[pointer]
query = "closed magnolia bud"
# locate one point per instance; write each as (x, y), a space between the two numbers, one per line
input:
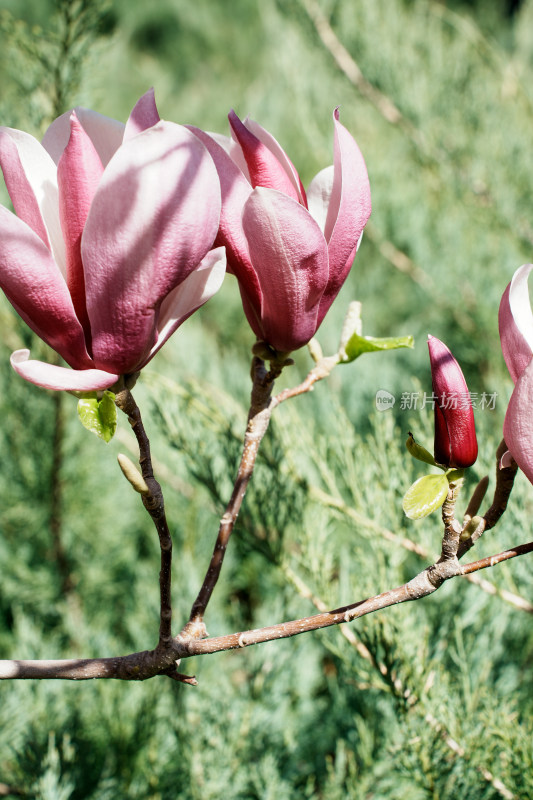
(455, 432)
(132, 474)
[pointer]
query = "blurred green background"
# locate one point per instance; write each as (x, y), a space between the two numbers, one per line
(428, 700)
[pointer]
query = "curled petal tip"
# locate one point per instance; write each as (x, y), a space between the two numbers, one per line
(18, 356)
(143, 116)
(506, 460)
(50, 376)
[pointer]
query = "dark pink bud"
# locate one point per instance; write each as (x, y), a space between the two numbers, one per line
(455, 431)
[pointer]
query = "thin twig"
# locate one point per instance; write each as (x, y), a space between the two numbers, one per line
(261, 406)
(399, 686)
(504, 485)
(147, 664)
(56, 498)
(478, 495)
(347, 64)
(154, 504)
(322, 370)
(423, 584)
(414, 547)
(452, 529)
(491, 561)
(389, 111)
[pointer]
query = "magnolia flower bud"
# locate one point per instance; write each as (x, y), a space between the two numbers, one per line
(132, 474)
(455, 432)
(290, 250)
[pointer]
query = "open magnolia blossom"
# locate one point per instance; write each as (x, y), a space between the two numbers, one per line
(516, 335)
(455, 431)
(291, 251)
(110, 250)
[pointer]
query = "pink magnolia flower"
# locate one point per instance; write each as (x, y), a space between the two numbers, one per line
(455, 431)
(516, 335)
(110, 250)
(290, 251)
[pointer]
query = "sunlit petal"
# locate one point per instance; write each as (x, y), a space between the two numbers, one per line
(264, 167)
(289, 253)
(283, 159)
(515, 348)
(50, 376)
(78, 173)
(105, 133)
(36, 288)
(235, 190)
(319, 195)
(348, 211)
(190, 295)
(30, 176)
(518, 425)
(143, 116)
(154, 217)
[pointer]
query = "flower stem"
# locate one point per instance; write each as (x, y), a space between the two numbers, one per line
(258, 421)
(154, 504)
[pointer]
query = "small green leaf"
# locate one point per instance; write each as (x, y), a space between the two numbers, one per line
(454, 475)
(419, 452)
(357, 345)
(425, 495)
(99, 416)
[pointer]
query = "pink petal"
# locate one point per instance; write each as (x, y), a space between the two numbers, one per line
(233, 149)
(78, 174)
(143, 116)
(518, 425)
(50, 376)
(263, 165)
(185, 299)
(153, 218)
(276, 149)
(319, 195)
(289, 254)
(30, 176)
(516, 323)
(348, 212)
(506, 460)
(105, 133)
(35, 287)
(235, 191)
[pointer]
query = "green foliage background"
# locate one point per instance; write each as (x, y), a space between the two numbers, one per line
(427, 700)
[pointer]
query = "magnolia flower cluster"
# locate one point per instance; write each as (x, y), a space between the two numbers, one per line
(111, 248)
(121, 232)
